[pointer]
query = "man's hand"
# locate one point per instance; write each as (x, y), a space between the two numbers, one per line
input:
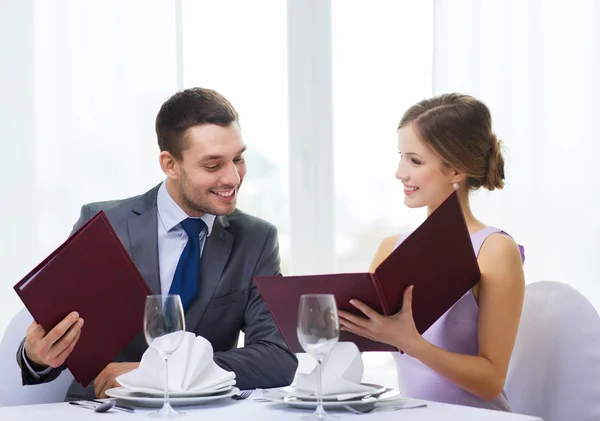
(107, 379)
(53, 348)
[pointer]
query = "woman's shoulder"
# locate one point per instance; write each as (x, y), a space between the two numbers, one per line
(498, 244)
(385, 248)
(390, 242)
(500, 253)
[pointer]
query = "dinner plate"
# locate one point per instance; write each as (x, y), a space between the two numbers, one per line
(306, 395)
(277, 397)
(205, 392)
(144, 399)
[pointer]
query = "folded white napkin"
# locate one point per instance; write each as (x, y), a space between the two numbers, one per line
(342, 373)
(191, 369)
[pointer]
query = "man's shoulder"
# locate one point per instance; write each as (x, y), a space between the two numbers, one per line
(118, 210)
(113, 206)
(242, 221)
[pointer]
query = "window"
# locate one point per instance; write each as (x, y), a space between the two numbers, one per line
(243, 55)
(378, 72)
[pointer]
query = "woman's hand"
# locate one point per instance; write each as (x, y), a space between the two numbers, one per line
(398, 330)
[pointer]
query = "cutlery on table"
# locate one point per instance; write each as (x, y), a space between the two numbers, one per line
(241, 396)
(368, 409)
(86, 398)
(103, 407)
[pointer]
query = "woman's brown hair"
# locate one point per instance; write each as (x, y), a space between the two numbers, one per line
(458, 128)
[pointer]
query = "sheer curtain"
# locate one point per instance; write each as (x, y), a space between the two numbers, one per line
(90, 79)
(536, 65)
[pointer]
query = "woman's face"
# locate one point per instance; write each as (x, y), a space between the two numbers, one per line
(426, 178)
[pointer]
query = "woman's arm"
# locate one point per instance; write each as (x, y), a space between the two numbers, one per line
(501, 293)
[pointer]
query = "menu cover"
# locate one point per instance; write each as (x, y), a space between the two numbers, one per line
(437, 258)
(91, 273)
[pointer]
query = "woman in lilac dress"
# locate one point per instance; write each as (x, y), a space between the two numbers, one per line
(446, 143)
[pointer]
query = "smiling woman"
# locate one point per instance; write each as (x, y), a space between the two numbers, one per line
(446, 144)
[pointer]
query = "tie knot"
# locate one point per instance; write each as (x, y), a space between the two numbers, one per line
(193, 226)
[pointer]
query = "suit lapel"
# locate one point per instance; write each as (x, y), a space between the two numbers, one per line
(214, 258)
(143, 234)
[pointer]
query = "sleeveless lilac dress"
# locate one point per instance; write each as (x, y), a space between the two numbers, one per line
(455, 331)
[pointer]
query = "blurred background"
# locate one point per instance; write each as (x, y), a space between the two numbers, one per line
(320, 86)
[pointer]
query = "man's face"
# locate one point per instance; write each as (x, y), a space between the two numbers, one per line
(211, 171)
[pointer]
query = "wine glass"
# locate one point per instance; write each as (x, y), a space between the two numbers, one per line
(318, 332)
(164, 329)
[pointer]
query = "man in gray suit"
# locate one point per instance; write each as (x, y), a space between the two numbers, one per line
(186, 237)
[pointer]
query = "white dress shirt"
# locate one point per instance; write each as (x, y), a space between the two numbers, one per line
(172, 239)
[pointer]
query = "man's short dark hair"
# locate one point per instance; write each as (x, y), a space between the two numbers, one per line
(188, 108)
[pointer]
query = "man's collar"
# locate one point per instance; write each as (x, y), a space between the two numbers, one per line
(171, 214)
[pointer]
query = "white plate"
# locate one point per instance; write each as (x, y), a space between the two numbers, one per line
(160, 394)
(309, 396)
(143, 399)
(388, 396)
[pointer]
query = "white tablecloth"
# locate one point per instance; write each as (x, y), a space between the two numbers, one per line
(250, 409)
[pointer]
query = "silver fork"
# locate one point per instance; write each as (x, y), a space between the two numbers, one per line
(241, 396)
(371, 408)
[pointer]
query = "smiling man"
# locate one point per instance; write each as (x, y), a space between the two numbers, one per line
(202, 155)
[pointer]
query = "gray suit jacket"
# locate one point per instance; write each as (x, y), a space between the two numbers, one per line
(239, 247)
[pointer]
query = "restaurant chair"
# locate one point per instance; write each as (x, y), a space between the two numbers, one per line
(12, 391)
(554, 372)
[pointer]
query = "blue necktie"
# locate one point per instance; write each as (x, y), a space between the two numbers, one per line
(187, 275)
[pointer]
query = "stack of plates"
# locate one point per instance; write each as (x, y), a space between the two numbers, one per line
(301, 399)
(152, 398)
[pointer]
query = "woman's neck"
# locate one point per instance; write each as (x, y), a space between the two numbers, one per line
(473, 224)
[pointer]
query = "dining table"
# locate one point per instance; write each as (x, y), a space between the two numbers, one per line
(255, 407)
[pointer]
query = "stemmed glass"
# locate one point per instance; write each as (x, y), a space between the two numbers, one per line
(164, 329)
(318, 332)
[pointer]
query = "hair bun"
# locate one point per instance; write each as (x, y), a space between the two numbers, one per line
(495, 168)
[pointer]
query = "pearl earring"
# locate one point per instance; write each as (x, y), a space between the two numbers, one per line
(455, 186)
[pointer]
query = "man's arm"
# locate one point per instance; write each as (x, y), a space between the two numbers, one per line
(32, 373)
(265, 360)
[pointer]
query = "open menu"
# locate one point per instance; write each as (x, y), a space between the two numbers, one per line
(437, 258)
